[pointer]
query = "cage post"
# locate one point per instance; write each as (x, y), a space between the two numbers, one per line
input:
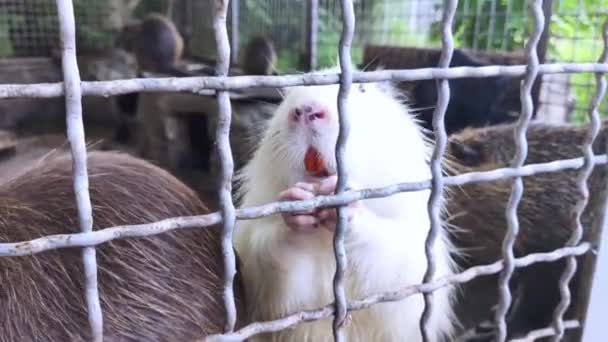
(517, 188)
(437, 181)
(234, 31)
(312, 28)
(76, 137)
(346, 79)
(226, 163)
(589, 289)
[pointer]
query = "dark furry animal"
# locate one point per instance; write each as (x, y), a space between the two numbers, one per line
(259, 57)
(157, 44)
(474, 102)
(160, 288)
(545, 211)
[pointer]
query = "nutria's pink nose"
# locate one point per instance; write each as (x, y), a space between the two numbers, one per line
(308, 113)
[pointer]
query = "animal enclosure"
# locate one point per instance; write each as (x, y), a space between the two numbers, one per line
(348, 41)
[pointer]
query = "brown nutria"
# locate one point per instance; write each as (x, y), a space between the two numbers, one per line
(157, 44)
(166, 287)
(544, 212)
(259, 57)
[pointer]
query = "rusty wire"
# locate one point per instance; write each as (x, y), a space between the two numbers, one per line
(517, 187)
(435, 199)
(197, 84)
(226, 163)
(75, 135)
(346, 80)
(584, 174)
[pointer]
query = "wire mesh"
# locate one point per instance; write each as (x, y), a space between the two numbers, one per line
(435, 199)
(582, 179)
(346, 80)
(575, 36)
(73, 90)
(517, 186)
(226, 163)
(76, 137)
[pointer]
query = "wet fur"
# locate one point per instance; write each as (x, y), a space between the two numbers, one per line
(162, 288)
(286, 272)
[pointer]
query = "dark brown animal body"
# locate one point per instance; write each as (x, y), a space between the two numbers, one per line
(495, 100)
(161, 288)
(544, 213)
(259, 57)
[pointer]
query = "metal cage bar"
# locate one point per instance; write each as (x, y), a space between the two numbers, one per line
(398, 295)
(346, 80)
(97, 237)
(517, 186)
(436, 196)
(226, 163)
(207, 84)
(585, 173)
(76, 137)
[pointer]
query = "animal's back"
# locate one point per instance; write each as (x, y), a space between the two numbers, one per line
(544, 212)
(162, 288)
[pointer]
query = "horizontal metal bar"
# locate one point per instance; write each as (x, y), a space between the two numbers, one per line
(103, 235)
(199, 84)
(546, 332)
(392, 296)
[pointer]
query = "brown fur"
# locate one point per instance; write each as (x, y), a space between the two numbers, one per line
(162, 288)
(259, 57)
(544, 212)
(548, 198)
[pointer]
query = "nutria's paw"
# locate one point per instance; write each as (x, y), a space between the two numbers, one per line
(300, 221)
(316, 218)
(328, 217)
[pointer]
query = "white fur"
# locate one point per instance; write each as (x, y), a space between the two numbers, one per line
(286, 272)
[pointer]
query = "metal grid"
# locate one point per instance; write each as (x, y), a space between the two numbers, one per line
(73, 90)
(29, 28)
(577, 29)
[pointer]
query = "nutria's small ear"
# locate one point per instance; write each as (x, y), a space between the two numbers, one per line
(465, 154)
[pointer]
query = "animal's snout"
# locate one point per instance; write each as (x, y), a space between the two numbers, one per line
(308, 113)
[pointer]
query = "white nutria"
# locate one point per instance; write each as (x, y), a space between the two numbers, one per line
(288, 261)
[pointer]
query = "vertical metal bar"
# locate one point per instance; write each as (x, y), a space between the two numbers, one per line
(346, 79)
(517, 188)
(477, 27)
(312, 29)
(435, 199)
(505, 32)
(491, 25)
(226, 162)
(235, 33)
(543, 45)
(577, 234)
(76, 138)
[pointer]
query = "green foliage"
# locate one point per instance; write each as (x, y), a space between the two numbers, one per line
(574, 28)
(6, 46)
